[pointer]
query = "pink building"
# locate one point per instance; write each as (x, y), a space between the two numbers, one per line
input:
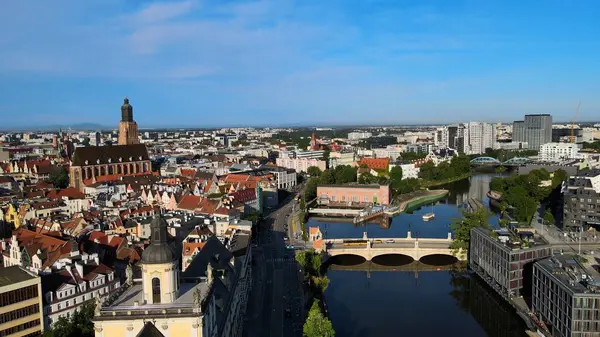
(355, 194)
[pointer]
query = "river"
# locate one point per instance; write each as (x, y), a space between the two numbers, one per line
(416, 303)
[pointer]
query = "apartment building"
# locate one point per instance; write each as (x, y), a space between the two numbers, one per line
(558, 151)
(21, 311)
(565, 297)
(582, 200)
(501, 257)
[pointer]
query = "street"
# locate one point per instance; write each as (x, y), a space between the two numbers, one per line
(276, 305)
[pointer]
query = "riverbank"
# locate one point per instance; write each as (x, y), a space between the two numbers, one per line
(418, 198)
(433, 183)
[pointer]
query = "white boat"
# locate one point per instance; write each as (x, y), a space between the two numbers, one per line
(429, 216)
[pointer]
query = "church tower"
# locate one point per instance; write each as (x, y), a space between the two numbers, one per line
(128, 130)
(160, 269)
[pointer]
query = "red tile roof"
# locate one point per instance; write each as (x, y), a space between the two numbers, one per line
(375, 163)
(190, 202)
(190, 247)
(244, 196)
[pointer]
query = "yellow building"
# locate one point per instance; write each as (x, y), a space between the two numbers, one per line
(21, 313)
(160, 303)
(12, 216)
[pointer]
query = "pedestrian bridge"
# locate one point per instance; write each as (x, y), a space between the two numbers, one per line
(416, 248)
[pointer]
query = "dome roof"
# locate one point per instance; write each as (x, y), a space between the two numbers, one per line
(157, 254)
(159, 250)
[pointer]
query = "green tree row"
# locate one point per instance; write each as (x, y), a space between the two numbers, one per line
(316, 325)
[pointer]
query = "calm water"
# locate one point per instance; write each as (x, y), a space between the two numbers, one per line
(437, 303)
(445, 210)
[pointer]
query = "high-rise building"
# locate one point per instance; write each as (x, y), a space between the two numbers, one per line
(478, 137)
(21, 311)
(535, 130)
(565, 297)
(519, 132)
(469, 138)
(128, 129)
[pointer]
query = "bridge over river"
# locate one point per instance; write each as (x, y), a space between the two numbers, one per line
(369, 248)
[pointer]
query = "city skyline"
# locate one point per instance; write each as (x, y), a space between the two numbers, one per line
(258, 63)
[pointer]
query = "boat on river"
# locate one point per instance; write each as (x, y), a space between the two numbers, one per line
(429, 216)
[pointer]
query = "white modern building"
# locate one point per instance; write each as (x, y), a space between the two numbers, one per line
(301, 164)
(359, 135)
(558, 151)
(470, 138)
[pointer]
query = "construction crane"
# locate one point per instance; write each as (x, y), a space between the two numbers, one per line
(573, 138)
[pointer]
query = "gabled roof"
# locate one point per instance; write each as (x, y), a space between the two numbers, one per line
(190, 202)
(109, 154)
(149, 330)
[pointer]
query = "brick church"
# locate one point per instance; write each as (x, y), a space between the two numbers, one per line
(93, 164)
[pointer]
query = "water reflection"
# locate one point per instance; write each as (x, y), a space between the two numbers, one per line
(446, 210)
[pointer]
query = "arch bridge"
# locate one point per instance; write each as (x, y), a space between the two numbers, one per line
(489, 161)
(416, 248)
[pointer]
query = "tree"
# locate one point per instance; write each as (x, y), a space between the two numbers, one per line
(310, 192)
(59, 177)
(462, 228)
(327, 178)
(317, 325)
(396, 174)
(320, 283)
(86, 141)
(548, 217)
(313, 171)
(344, 174)
(78, 325)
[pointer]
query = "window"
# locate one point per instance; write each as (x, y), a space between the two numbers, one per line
(155, 290)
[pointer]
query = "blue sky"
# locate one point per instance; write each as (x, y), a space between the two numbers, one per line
(210, 63)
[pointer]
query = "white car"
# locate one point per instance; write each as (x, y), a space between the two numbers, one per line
(389, 241)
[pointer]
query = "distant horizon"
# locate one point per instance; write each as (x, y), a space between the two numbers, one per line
(79, 126)
(259, 62)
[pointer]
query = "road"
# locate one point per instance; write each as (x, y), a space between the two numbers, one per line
(278, 281)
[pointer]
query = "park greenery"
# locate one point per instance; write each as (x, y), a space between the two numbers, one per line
(316, 325)
(522, 193)
(77, 325)
(462, 229)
